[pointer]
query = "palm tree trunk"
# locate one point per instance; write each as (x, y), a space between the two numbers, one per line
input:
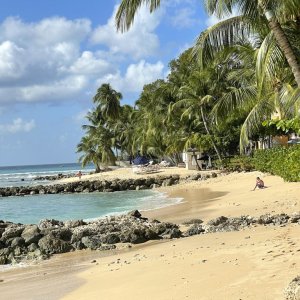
(210, 136)
(284, 44)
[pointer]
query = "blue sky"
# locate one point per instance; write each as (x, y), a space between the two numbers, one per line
(54, 54)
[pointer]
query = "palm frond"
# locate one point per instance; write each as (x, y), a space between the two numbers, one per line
(128, 10)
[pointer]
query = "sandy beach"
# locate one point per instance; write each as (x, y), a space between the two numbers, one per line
(256, 263)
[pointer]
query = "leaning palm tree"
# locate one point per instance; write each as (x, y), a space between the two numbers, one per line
(88, 147)
(253, 16)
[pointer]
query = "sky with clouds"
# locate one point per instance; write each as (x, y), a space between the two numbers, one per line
(55, 54)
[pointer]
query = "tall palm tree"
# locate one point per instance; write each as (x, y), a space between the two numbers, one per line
(108, 101)
(249, 20)
(250, 11)
(197, 96)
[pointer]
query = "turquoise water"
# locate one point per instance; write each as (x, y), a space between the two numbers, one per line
(31, 209)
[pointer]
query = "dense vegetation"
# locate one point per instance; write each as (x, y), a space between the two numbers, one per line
(238, 83)
(281, 161)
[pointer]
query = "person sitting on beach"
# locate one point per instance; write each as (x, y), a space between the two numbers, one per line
(259, 183)
(79, 174)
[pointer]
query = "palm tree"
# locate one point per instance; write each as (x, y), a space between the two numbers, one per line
(197, 95)
(249, 21)
(128, 9)
(109, 101)
(88, 147)
(250, 13)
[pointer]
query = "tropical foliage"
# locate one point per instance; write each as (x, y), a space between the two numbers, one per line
(238, 83)
(280, 161)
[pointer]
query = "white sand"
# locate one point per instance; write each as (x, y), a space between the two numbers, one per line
(256, 263)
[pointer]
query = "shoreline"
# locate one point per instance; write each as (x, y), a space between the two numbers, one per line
(259, 257)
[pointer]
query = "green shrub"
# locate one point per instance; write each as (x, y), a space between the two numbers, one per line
(239, 163)
(281, 161)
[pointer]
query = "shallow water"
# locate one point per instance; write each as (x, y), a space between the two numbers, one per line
(31, 209)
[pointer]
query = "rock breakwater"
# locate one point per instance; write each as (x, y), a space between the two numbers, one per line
(24, 242)
(88, 186)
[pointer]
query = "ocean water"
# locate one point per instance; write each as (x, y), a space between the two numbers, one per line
(24, 175)
(31, 209)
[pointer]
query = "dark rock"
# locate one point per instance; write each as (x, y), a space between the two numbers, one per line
(292, 292)
(195, 229)
(193, 221)
(294, 218)
(280, 219)
(110, 238)
(91, 242)
(73, 224)
(18, 241)
(135, 213)
(31, 234)
(12, 232)
(134, 236)
(172, 233)
(47, 223)
(195, 177)
(107, 247)
(3, 260)
(64, 234)
(78, 245)
(217, 221)
(265, 219)
(50, 245)
(32, 247)
(151, 234)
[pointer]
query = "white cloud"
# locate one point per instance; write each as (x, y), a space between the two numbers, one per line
(88, 63)
(42, 61)
(136, 76)
(17, 125)
(138, 42)
(48, 60)
(11, 61)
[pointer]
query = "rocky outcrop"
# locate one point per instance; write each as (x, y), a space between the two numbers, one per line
(54, 177)
(86, 186)
(19, 242)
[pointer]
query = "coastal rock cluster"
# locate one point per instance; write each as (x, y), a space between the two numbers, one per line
(20, 242)
(54, 177)
(100, 186)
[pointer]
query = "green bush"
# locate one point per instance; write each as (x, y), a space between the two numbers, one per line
(239, 163)
(281, 161)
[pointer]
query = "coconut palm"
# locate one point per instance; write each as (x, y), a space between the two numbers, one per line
(253, 16)
(198, 95)
(128, 9)
(88, 147)
(250, 16)
(108, 101)
(255, 93)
